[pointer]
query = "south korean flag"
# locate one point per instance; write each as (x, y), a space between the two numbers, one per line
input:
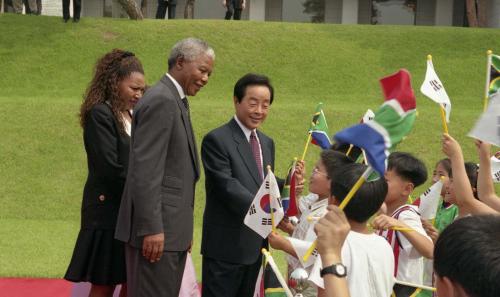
(266, 207)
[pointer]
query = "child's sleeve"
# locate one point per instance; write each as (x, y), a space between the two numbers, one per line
(412, 220)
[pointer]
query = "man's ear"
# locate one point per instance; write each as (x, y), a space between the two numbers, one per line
(179, 63)
(235, 100)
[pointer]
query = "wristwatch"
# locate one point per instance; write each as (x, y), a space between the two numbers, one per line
(337, 269)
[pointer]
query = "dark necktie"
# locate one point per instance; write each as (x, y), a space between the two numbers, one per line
(186, 103)
(256, 152)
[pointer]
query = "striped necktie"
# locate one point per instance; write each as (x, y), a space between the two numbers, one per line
(254, 143)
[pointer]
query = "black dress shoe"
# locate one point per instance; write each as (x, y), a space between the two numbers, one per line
(65, 20)
(76, 20)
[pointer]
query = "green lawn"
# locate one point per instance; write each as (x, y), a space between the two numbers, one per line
(46, 64)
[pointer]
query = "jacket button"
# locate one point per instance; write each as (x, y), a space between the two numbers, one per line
(102, 197)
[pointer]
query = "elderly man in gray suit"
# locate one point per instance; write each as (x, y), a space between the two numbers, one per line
(156, 212)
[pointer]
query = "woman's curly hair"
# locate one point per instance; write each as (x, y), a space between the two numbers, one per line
(110, 70)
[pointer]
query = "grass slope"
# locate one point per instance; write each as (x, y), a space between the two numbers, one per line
(46, 64)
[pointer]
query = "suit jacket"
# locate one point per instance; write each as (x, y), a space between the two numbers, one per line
(163, 170)
(107, 159)
(231, 182)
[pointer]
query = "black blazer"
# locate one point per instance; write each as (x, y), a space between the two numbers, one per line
(107, 159)
(231, 182)
(163, 170)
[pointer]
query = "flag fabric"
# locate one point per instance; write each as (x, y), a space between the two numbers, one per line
(494, 77)
(272, 286)
(429, 201)
(433, 88)
(487, 128)
(392, 122)
(259, 284)
(495, 169)
(266, 201)
(368, 116)
(319, 129)
(288, 193)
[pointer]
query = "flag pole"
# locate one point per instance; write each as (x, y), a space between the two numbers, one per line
(342, 205)
(273, 228)
(415, 285)
(443, 118)
(277, 272)
(349, 150)
(487, 88)
(305, 148)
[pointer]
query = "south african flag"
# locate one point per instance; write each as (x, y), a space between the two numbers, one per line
(494, 84)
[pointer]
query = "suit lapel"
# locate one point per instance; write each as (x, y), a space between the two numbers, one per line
(186, 121)
(266, 152)
(245, 151)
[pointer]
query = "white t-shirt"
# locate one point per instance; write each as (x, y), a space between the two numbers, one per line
(410, 262)
(370, 266)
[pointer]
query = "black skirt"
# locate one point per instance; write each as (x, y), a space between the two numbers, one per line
(98, 258)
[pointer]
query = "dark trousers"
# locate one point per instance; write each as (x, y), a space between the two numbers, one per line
(162, 278)
(162, 9)
(233, 8)
(77, 7)
(226, 279)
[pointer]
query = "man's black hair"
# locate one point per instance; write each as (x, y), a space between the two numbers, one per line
(252, 79)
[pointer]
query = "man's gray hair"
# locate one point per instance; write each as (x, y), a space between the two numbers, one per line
(189, 49)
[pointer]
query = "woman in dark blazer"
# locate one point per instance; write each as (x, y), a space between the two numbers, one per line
(105, 116)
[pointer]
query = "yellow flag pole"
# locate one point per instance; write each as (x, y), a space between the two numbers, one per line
(487, 88)
(277, 272)
(307, 145)
(443, 118)
(342, 205)
(349, 150)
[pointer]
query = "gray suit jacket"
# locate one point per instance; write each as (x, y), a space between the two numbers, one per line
(163, 169)
(231, 182)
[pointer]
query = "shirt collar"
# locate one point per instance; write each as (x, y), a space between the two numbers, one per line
(177, 86)
(245, 130)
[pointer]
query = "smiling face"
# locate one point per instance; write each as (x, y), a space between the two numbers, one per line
(449, 195)
(254, 106)
(193, 75)
(131, 89)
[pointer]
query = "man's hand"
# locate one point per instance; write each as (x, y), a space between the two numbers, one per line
(243, 4)
(384, 222)
(332, 230)
(224, 3)
(451, 148)
(152, 247)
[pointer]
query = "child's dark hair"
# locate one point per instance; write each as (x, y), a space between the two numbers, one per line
(468, 254)
(354, 152)
(367, 200)
(408, 167)
(333, 160)
(471, 169)
(446, 163)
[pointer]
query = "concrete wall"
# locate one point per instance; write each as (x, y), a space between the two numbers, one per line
(274, 10)
(364, 12)
(426, 12)
(349, 11)
(494, 14)
(333, 11)
(444, 13)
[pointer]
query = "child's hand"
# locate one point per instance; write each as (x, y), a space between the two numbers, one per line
(430, 230)
(384, 222)
(483, 149)
(451, 147)
(286, 226)
(276, 240)
(299, 177)
(332, 230)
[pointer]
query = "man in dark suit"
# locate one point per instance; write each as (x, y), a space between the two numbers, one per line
(161, 10)
(235, 156)
(156, 213)
(233, 8)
